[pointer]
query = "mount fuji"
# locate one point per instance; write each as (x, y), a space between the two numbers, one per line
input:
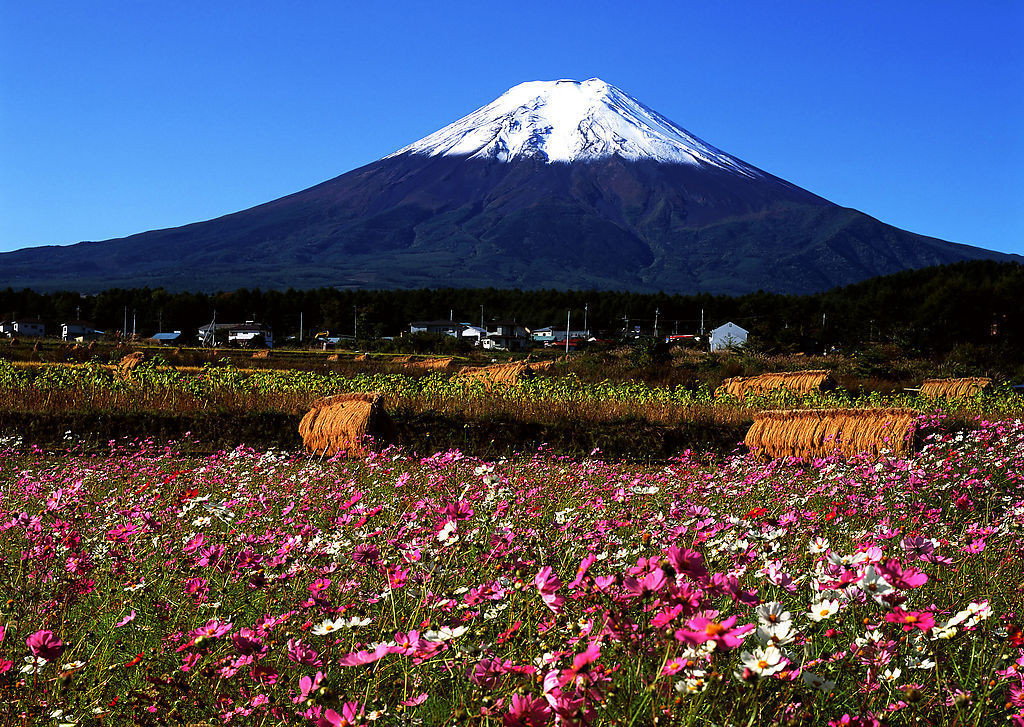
(555, 184)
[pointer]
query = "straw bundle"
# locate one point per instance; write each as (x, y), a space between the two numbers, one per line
(263, 353)
(361, 357)
(334, 357)
(35, 348)
(14, 341)
(341, 423)
(433, 364)
(401, 359)
(809, 433)
(955, 388)
(129, 362)
(506, 374)
(796, 382)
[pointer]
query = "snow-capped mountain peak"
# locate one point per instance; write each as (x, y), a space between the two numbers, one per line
(571, 121)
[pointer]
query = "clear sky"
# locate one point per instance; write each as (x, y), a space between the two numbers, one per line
(120, 117)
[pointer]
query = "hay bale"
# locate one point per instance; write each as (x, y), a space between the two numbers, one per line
(507, 374)
(334, 357)
(811, 433)
(432, 364)
(402, 359)
(341, 423)
(361, 357)
(264, 353)
(955, 388)
(127, 364)
(796, 382)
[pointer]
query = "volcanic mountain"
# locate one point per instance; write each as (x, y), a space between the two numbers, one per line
(560, 184)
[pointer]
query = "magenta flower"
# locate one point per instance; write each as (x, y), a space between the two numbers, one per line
(526, 711)
(248, 642)
(44, 644)
(910, 620)
(299, 652)
(701, 629)
(548, 583)
(350, 712)
(365, 657)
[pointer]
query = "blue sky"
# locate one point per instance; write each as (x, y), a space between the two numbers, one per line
(120, 117)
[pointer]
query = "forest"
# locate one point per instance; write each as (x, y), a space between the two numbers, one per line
(972, 308)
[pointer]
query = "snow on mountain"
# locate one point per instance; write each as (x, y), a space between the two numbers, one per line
(571, 121)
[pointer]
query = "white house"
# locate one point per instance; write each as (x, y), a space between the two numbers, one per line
(6, 328)
(728, 335)
(549, 334)
(244, 334)
(80, 331)
(447, 328)
(474, 333)
(28, 327)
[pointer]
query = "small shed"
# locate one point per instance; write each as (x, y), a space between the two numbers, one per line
(728, 335)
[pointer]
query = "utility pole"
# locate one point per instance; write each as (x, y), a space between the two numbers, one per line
(124, 330)
(586, 309)
(568, 314)
(657, 312)
(300, 328)
(481, 315)
(133, 323)
(355, 323)
(160, 320)
(702, 322)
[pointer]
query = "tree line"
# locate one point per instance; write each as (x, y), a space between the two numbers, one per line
(928, 311)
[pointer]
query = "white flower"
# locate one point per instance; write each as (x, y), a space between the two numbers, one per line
(890, 675)
(822, 610)
(355, 622)
(694, 683)
(445, 633)
(773, 612)
(816, 682)
(33, 664)
(873, 584)
(327, 626)
(446, 532)
(763, 662)
(817, 545)
(778, 634)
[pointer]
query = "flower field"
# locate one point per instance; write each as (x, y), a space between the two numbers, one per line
(146, 587)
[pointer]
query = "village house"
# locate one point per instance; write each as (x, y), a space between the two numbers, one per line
(552, 334)
(506, 336)
(23, 327)
(728, 335)
(79, 331)
(446, 328)
(250, 333)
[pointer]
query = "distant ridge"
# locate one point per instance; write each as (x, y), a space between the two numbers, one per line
(556, 184)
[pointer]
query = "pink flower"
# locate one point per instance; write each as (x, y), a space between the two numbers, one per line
(548, 583)
(365, 657)
(127, 619)
(212, 630)
(302, 654)
(911, 619)
(308, 685)
(701, 629)
(248, 642)
(350, 712)
(526, 711)
(44, 644)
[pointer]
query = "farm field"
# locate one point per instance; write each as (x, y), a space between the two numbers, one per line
(148, 587)
(435, 409)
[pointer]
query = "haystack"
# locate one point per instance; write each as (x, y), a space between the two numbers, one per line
(810, 433)
(334, 357)
(130, 362)
(796, 382)
(341, 423)
(507, 374)
(361, 357)
(955, 388)
(431, 364)
(262, 353)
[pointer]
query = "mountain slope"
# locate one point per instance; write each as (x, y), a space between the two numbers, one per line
(559, 184)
